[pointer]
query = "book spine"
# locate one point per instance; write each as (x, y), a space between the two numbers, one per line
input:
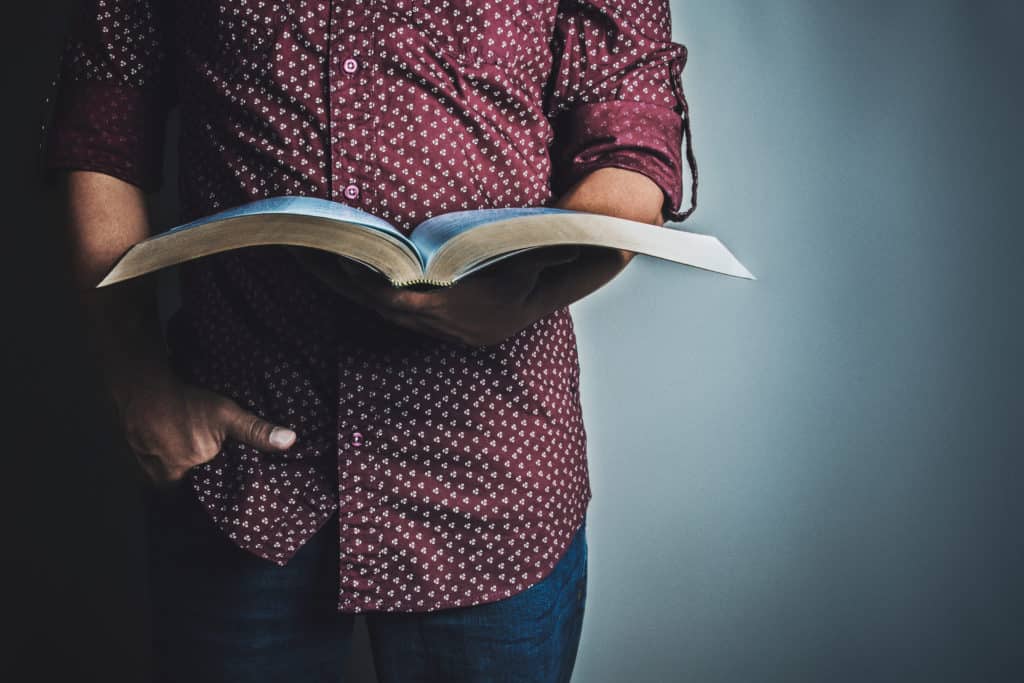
(421, 281)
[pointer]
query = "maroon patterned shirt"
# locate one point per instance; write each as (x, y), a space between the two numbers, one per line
(458, 475)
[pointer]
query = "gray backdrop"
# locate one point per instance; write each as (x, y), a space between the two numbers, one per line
(806, 477)
(810, 477)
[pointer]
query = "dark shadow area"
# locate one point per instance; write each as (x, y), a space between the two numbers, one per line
(72, 494)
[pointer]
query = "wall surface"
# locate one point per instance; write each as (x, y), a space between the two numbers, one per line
(810, 477)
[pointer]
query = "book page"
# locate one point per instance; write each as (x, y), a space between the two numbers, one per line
(314, 224)
(430, 235)
(487, 242)
(304, 206)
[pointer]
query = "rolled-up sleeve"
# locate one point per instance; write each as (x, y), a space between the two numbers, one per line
(615, 96)
(113, 91)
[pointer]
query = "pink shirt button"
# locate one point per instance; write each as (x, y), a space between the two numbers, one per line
(351, 192)
(357, 439)
(350, 65)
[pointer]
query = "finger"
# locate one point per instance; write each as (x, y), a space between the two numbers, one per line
(559, 254)
(326, 268)
(346, 277)
(550, 256)
(521, 272)
(363, 274)
(423, 326)
(254, 431)
(517, 280)
(369, 284)
(387, 298)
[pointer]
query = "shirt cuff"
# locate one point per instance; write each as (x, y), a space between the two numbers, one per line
(635, 136)
(109, 128)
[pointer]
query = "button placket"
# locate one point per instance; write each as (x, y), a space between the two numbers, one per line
(351, 110)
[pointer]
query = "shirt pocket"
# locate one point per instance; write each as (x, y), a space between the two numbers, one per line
(481, 32)
(232, 36)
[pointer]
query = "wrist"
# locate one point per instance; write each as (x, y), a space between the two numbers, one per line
(131, 371)
(125, 339)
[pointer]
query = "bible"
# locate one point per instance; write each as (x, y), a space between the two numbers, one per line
(438, 252)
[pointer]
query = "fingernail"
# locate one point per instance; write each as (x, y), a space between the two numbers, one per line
(281, 437)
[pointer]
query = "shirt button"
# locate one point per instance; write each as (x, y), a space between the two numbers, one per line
(351, 192)
(357, 439)
(350, 65)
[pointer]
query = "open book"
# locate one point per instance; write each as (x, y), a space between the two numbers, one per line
(440, 250)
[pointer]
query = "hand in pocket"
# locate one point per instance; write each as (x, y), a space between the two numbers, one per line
(172, 426)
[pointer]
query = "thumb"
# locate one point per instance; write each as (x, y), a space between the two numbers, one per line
(254, 431)
(562, 253)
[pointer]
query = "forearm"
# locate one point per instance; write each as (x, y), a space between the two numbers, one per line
(104, 217)
(611, 192)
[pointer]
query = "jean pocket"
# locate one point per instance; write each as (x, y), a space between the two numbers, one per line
(572, 568)
(581, 591)
(580, 575)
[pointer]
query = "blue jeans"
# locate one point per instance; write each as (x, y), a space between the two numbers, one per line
(221, 614)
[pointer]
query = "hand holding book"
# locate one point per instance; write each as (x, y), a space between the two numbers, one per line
(484, 308)
(488, 273)
(491, 304)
